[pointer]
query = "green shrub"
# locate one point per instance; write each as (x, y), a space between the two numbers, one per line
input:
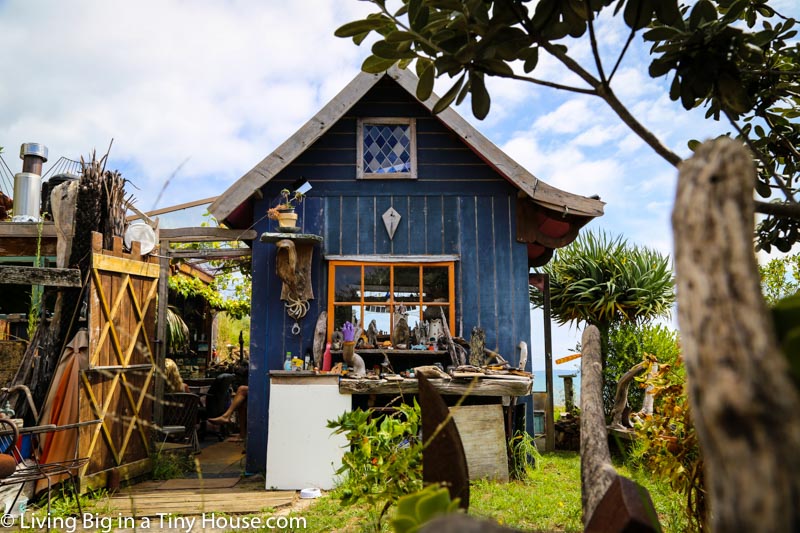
(385, 457)
(667, 445)
(627, 345)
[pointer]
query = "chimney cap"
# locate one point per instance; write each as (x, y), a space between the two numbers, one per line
(35, 149)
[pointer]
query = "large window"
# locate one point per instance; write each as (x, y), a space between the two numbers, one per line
(384, 291)
(387, 148)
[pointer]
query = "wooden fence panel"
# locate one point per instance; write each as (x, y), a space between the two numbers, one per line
(117, 387)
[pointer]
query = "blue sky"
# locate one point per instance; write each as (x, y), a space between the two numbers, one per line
(219, 85)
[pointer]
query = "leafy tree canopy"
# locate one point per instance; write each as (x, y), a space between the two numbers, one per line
(737, 58)
(230, 290)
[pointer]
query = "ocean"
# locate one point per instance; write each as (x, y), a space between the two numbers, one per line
(540, 384)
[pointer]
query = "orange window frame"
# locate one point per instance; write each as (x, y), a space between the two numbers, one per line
(450, 303)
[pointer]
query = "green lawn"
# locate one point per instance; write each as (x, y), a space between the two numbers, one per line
(549, 501)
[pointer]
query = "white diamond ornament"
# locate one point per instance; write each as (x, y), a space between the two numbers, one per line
(391, 219)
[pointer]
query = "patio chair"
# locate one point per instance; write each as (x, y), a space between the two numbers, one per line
(31, 469)
(217, 400)
(181, 418)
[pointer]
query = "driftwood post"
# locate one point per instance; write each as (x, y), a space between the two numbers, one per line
(597, 473)
(744, 404)
(610, 502)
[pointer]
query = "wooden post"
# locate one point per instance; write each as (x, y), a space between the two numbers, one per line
(549, 422)
(569, 394)
(161, 331)
(745, 406)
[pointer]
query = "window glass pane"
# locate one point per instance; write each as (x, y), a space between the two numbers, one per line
(435, 283)
(406, 284)
(345, 313)
(433, 311)
(348, 284)
(376, 284)
(387, 148)
(381, 315)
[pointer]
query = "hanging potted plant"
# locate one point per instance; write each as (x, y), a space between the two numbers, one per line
(284, 212)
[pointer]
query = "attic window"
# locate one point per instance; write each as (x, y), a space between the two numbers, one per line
(387, 148)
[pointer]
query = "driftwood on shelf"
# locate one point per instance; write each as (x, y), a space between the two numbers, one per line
(478, 387)
(52, 277)
(745, 406)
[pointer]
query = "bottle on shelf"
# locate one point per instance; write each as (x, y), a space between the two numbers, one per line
(287, 364)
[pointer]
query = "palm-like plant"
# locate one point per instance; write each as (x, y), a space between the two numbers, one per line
(604, 281)
(177, 331)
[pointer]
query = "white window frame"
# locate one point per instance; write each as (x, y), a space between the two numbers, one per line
(412, 130)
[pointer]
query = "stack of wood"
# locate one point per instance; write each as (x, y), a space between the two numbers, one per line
(99, 206)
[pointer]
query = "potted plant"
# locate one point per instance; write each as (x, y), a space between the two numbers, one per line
(284, 212)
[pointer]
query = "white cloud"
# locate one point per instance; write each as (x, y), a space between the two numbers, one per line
(221, 84)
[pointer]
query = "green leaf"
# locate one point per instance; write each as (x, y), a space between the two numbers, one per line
(693, 144)
(391, 50)
(357, 27)
(659, 67)
(638, 13)
(667, 12)
(376, 65)
(703, 11)
(661, 33)
(399, 36)
(531, 58)
(445, 101)
(480, 96)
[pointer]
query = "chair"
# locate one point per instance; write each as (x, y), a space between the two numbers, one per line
(217, 400)
(31, 470)
(181, 418)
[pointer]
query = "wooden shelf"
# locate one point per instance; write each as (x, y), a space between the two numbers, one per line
(458, 387)
(300, 238)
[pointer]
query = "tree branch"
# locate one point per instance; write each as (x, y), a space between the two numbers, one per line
(595, 50)
(536, 81)
(778, 209)
(622, 54)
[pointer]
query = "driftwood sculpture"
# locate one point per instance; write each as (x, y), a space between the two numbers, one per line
(610, 502)
(620, 414)
(293, 267)
(745, 406)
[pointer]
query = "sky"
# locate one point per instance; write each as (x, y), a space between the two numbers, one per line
(201, 91)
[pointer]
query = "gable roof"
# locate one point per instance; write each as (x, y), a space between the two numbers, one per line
(556, 200)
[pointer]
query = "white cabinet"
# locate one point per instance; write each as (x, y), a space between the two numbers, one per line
(301, 450)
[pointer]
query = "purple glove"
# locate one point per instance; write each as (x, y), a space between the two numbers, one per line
(348, 331)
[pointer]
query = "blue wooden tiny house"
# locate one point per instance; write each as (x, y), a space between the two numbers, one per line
(465, 225)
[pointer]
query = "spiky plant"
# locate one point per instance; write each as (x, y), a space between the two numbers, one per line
(602, 280)
(177, 331)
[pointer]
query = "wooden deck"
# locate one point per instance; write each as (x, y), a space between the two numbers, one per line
(218, 488)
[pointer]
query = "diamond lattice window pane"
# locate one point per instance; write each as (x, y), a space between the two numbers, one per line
(387, 148)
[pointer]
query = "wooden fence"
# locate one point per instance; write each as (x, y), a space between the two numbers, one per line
(118, 385)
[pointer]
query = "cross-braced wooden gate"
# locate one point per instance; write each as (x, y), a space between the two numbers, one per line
(117, 388)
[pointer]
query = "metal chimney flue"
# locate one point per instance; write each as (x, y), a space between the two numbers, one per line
(28, 183)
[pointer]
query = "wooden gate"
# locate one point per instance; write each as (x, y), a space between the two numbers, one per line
(117, 387)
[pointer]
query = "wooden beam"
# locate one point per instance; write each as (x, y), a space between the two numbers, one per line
(206, 234)
(51, 277)
(395, 258)
(229, 253)
(481, 387)
(170, 209)
(26, 229)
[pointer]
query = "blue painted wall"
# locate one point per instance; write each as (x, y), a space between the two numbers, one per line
(458, 205)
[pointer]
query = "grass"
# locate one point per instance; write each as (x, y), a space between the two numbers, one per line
(549, 500)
